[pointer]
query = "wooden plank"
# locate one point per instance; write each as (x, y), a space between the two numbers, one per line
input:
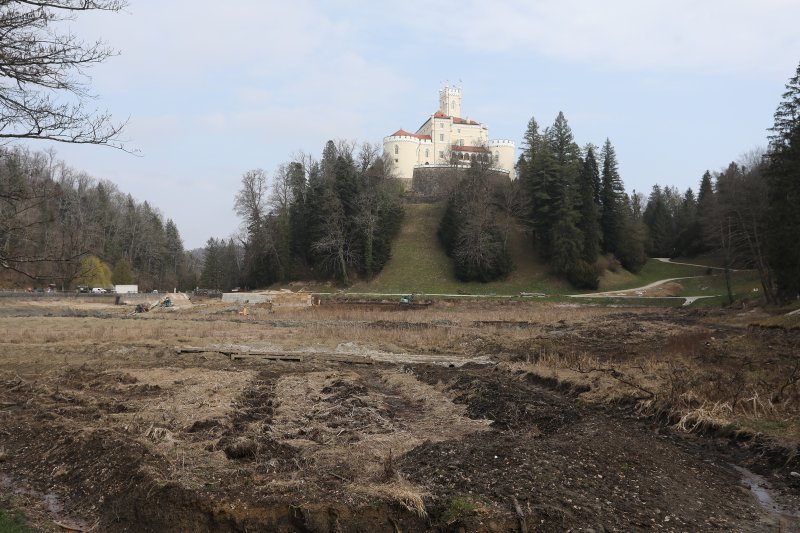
(280, 356)
(343, 358)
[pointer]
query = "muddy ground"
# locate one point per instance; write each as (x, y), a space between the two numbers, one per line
(458, 417)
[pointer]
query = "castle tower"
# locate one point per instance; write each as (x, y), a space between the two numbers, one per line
(450, 101)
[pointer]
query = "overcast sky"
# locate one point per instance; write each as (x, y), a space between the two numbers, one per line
(214, 89)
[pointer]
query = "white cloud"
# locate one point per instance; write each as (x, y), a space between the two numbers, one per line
(732, 36)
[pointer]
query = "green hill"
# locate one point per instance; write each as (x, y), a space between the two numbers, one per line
(419, 264)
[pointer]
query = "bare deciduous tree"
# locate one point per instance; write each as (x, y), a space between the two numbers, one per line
(251, 200)
(43, 85)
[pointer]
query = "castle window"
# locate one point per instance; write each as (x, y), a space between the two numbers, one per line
(396, 149)
(441, 137)
(441, 154)
(426, 152)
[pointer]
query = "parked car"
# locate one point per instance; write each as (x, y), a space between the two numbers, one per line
(98, 290)
(83, 288)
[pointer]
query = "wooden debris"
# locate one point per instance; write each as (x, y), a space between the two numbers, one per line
(299, 357)
(67, 527)
(523, 526)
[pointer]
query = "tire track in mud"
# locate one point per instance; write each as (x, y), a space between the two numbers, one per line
(571, 467)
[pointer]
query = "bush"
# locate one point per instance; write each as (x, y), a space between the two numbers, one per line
(584, 275)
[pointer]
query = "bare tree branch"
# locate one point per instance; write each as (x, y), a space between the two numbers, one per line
(43, 82)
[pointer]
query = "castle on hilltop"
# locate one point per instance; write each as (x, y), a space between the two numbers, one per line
(446, 140)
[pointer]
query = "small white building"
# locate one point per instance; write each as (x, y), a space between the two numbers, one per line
(445, 139)
(126, 289)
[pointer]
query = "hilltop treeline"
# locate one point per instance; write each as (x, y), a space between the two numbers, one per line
(329, 218)
(59, 225)
(576, 206)
(571, 199)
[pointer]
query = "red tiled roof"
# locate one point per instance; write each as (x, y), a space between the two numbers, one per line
(456, 120)
(403, 133)
(458, 148)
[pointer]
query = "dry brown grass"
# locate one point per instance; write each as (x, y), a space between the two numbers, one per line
(401, 492)
(681, 383)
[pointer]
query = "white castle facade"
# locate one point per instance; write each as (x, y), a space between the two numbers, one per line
(444, 140)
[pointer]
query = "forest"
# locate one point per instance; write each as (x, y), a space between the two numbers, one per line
(321, 219)
(61, 226)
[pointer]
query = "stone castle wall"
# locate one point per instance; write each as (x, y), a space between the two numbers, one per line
(436, 183)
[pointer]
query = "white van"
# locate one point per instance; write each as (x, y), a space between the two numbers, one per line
(98, 290)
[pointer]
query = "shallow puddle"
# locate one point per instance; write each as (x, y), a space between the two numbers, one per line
(50, 501)
(787, 522)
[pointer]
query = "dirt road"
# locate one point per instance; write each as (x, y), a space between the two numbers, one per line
(103, 424)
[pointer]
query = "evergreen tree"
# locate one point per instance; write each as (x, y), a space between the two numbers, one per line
(588, 208)
(631, 252)
(687, 242)
(611, 210)
(623, 234)
(542, 177)
(298, 236)
(658, 220)
(211, 275)
(706, 207)
(783, 191)
(532, 140)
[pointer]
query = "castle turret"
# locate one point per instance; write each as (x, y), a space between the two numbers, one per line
(450, 101)
(404, 151)
(503, 155)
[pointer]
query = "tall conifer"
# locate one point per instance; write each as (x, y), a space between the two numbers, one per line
(589, 213)
(783, 182)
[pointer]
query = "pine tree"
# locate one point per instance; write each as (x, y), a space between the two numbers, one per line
(631, 252)
(783, 192)
(611, 193)
(542, 176)
(688, 230)
(588, 208)
(532, 140)
(706, 207)
(297, 215)
(623, 234)
(658, 220)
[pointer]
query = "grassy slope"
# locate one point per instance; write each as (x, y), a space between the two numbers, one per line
(652, 271)
(419, 265)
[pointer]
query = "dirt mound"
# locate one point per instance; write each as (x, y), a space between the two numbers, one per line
(511, 405)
